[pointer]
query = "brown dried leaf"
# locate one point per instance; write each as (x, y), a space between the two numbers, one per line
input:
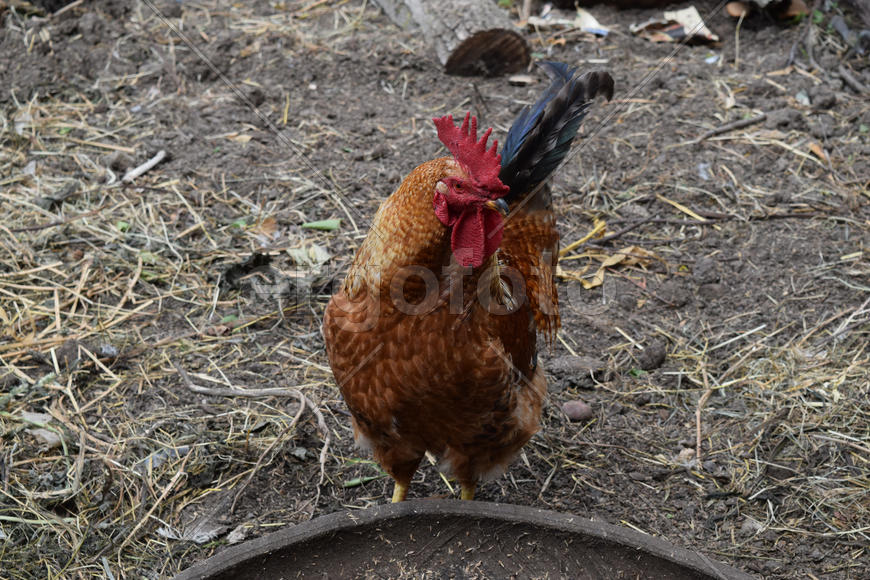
(817, 150)
(267, 227)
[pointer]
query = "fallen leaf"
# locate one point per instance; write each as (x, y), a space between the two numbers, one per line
(588, 23)
(817, 150)
(217, 330)
(685, 455)
(576, 275)
(253, 48)
(598, 229)
(39, 418)
(50, 438)
(238, 534)
(326, 225)
(629, 256)
(267, 227)
(676, 26)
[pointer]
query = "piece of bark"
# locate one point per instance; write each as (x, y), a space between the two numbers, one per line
(470, 37)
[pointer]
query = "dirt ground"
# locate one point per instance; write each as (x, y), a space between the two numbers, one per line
(132, 313)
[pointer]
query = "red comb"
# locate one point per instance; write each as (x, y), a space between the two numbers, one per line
(482, 164)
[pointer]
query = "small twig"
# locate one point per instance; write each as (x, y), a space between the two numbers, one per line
(321, 425)
(737, 39)
(106, 569)
(738, 337)
(548, 481)
(227, 392)
(852, 444)
(701, 403)
(846, 325)
(850, 80)
(622, 232)
(69, 6)
(327, 439)
(740, 124)
(668, 221)
(144, 168)
(809, 44)
(525, 10)
(808, 23)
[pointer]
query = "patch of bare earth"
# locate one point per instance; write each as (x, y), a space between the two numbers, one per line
(157, 404)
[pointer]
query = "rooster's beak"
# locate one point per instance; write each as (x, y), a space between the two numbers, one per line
(499, 205)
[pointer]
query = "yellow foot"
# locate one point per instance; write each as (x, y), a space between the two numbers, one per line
(399, 492)
(467, 491)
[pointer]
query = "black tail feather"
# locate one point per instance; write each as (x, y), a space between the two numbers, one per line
(541, 136)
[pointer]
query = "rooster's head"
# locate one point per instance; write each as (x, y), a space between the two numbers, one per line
(471, 203)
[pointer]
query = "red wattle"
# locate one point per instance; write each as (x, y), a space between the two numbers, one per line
(476, 236)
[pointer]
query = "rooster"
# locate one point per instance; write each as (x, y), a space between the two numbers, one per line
(432, 337)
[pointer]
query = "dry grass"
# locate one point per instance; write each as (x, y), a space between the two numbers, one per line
(141, 399)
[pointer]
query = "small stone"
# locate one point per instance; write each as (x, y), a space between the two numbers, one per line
(686, 454)
(786, 118)
(639, 476)
(822, 98)
(379, 152)
(782, 196)
(750, 527)
(108, 351)
(577, 410)
(653, 356)
(118, 161)
(802, 98)
(674, 293)
(50, 438)
(171, 9)
(257, 96)
(712, 291)
(705, 271)
(577, 371)
(238, 534)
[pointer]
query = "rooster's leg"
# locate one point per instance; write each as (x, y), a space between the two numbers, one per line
(399, 492)
(401, 470)
(467, 491)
